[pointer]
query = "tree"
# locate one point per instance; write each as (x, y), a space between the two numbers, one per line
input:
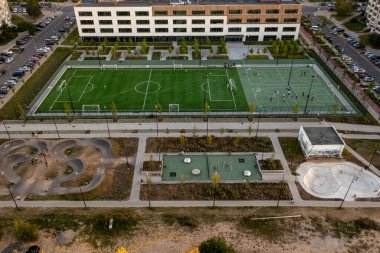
(149, 183)
(124, 42)
(211, 50)
(183, 48)
(215, 245)
(250, 130)
(144, 47)
(121, 250)
(343, 9)
(206, 110)
(33, 8)
(215, 181)
(170, 50)
(25, 231)
(208, 41)
(251, 51)
(182, 140)
(221, 131)
(296, 108)
(114, 52)
(209, 139)
(130, 42)
(106, 43)
(334, 108)
(251, 110)
(236, 140)
(113, 110)
(118, 40)
(68, 110)
(21, 111)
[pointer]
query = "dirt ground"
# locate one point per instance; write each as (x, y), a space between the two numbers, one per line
(308, 233)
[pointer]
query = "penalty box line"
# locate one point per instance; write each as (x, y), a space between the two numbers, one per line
(209, 90)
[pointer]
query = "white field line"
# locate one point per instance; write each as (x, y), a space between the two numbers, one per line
(232, 94)
(147, 89)
(83, 91)
(67, 83)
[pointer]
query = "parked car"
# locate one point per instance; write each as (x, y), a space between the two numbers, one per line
(33, 249)
(9, 60)
(2, 72)
(368, 79)
(18, 73)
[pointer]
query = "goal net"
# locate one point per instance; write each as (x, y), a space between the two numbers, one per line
(177, 66)
(173, 107)
(62, 86)
(90, 108)
(105, 66)
(231, 85)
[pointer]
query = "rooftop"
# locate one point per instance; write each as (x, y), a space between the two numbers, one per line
(182, 2)
(323, 136)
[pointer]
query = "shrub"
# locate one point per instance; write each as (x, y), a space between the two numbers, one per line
(215, 245)
(25, 231)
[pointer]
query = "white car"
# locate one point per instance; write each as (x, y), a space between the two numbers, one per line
(368, 79)
(25, 68)
(359, 71)
(9, 60)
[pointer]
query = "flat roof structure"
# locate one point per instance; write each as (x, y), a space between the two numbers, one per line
(323, 136)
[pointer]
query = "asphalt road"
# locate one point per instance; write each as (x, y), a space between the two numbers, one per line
(36, 42)
(349, 50)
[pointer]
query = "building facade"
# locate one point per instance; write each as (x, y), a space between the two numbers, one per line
(5, 14)
(373, 15)
(320, 141)
(250, 20)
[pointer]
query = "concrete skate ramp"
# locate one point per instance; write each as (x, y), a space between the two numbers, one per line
(321, 181)
(333, 180)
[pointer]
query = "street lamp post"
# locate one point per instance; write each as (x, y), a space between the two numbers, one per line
(376, 151)
(56, 127)
(9, 189)
(291, 68)
(6, 130)
(108, 128)
(81, 192)
(355, 177)
(308, 95)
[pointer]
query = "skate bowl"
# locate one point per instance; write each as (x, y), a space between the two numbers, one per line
(333, 180)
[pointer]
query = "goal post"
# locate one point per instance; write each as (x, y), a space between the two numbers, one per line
(177, 66)
(109, 66)
(90, 108)
(173, 107)
(231, 84)
(62, 86)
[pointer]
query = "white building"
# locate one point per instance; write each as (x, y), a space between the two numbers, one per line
(373, 15)
(234, 20)
(320, 141)
(5, 14)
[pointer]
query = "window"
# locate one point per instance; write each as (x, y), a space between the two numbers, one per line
(143, 30)
(271, 29)
(235, 12)
(85, 13)
(161, 13)
(123, 13)
(269, 37)
(216, 30)
(271, 20)
(104, 13)
(217, 12)
(179, 13)
(179, 30)
(162, 30)
(273, 11)
(105, 22)
(124, 22)
(142, 13)
(142, 22)
(291, 10)
(87, 22)
(234, 21)
(234, 29)
(106, 30)
(256, 11)
(290, 20)
(125, 30)
(288, 37)
(198, 21)
(289, 29)
(198, 30)
(160, 22)
(253, 20)
(179, 21)
(253, 29)
(216, 21)
(198, 13)
(88, 30)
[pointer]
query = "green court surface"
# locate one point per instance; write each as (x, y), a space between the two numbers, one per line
(133, 90)
(229, 167)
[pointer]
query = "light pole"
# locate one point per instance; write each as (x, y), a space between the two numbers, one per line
(308, 95)
(375, 151)
(355, 177)
(55, 123)
(6, 130)
(80, 188)
(105, 116)
(9, 189)
(291, 68)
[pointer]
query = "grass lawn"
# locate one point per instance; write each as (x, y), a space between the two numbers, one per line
(71, 38)
(366, 148)
(324, 20)
(371, 40)
(339, 18)
(356, 24)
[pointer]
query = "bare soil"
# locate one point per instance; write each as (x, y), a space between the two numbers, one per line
(152, 165)
(25, 149)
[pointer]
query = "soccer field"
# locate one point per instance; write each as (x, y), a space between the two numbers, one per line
(182, 90)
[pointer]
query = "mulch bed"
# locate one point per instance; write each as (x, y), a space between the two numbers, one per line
(192, 191)
(152, 165)
(267, 165)
(202, 144)
(124, 146)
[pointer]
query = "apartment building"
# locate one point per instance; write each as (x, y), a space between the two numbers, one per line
(235, 20)
(373, 15)
(5, 14)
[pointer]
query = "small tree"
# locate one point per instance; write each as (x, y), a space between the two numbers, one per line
(334, 108)
(250, 130)
(68, 110)
(170, 50)
(114, 110)
(124, 42)
(182, 140)
(25, 231)
(251, 110)
(251, 51)
(215, 245)
(144, 47)
(209, 139)
(208, 41)
(149, 183)
(215, 181)
(222, 130)
(151, 163)
(121, 250)
(296, 108)
(130, 42)
(237, 140)
(33, 8)
(183, 48)
(106, 43)
(211, 50)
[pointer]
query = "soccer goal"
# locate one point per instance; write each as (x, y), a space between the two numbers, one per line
(231, 85)
(62, 86)
(173, 107)
(108, 66)
(90, 108)
(177, 66)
